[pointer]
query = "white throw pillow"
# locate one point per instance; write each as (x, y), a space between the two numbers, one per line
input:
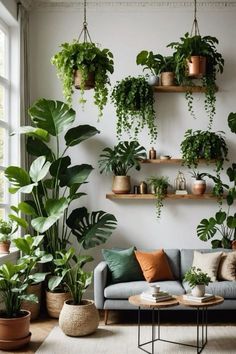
(207, 262)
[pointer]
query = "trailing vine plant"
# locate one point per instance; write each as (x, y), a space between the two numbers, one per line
(159, 186)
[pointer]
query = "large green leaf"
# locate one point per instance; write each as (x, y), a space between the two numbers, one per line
(20, 221)
(232, 122)
(52, 116)
(38, 133)
(75, 175)
(76, 135)
(231, 222)
(27, 208)
(59, 166)
(36, 147)
(206, 229)
(42, 224)
(19, 179)
(39, 169)
(220, 217)
(91, 229)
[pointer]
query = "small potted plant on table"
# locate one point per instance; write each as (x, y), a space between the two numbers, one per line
(197, 281)
(7, 229)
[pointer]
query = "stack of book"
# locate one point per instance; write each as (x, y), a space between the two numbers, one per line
(205, 298)
(156, 297)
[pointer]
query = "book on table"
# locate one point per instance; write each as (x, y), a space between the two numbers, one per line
(205, 298)
(156, 297)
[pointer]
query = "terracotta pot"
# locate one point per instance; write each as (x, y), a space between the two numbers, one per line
(233, 245)
(14, 332)
(89, 83)
(55, 301)
(5, 246)
(168, 78)
(198, 187)
(199, 290)
(79, 320)
(197, 66)
(121, 184)
(32, 307)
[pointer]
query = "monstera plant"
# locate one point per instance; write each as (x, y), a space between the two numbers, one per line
(51, 185)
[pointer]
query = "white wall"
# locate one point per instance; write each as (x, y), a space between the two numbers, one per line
(126, 30)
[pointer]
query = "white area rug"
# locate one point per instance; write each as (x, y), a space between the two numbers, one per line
(123, 340)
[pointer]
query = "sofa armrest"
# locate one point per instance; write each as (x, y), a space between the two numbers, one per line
(100, 280)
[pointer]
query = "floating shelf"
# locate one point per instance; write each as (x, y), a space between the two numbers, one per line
(206, 196)
(170, 89)
(173, 161)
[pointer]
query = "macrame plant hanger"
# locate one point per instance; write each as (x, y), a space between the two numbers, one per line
(84, 32)
(195, 28)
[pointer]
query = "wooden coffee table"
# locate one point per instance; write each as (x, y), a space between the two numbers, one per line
(136, 300)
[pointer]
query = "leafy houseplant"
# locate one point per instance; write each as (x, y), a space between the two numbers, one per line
(199, 184)
(119, 160)
(156, 63)
(87, 58)
(159, 186)
(51, 180)
(133, 99)
(185, 50)
(203, 145)
(194, 276)
(7, 229)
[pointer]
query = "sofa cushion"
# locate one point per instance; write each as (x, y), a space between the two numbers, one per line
(227, 266)
(124, 290)
(154, 265)
(122, 265)
(226, 289)
(207, 262)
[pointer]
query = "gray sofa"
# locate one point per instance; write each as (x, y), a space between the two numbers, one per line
(109, 296)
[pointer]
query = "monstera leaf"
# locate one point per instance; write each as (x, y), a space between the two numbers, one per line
(206, 229)
(131, 153)
(37, 148)
(75, 175)
(76, 135)
(232, 122)
(39, 169)
(91, 229)
(19, 179)
(52, 116)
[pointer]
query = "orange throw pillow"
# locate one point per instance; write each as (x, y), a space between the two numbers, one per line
(154, 265)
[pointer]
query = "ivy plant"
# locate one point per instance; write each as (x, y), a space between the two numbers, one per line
(160, 186)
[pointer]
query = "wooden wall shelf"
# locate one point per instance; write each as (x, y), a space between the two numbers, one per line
(174, 89)
(206, 196)
(173, 161)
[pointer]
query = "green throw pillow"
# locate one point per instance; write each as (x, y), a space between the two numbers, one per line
(123, 265)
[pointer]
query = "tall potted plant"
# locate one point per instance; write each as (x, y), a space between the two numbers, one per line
(119, 160)
(85, 66)
(133, 99)
(14, 281)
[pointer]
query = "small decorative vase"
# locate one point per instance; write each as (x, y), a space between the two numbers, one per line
(121, 184)
(168, 78)
(199, 290)
(79, 320)
(153, 80)
(198, 187)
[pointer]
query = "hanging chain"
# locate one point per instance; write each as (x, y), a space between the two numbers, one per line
(195, 28)
(85, 31)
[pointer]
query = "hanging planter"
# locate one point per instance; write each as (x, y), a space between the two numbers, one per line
(88, 83)
(196, 66)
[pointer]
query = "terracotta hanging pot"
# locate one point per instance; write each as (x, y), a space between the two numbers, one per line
(89, 83)
(32, 307)
(168, 78)
(121, 184)
(5, 247)
(55, 301)
(196, 66)
(198, 187)
(79, 320)
(14, 332)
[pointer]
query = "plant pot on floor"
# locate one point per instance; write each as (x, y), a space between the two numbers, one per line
(14, 332)
(168, 78)
(5, 247)
(121, 184)
(199, 290)
(198, 187)
(55, 301)
(197, 66)
(33, 307)
(79, 320)
(88, 84)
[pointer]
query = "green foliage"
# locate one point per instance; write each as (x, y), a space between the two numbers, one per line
(203, 145)
(156, 63)
(199, 46)
(15, 278)
(194, 276)
(198, 175)
(124, 156)
(88, 58)
(232, 122)
(133, 99)
(160, 186)
(7, 229)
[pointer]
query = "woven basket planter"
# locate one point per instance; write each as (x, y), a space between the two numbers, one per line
(32, 307)
(55, 301)
(79, 320)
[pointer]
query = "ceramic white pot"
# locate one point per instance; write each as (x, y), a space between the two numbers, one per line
(199, 290)
(153, 80)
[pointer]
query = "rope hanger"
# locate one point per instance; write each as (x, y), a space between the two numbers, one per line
(84, 30)
(195, 27)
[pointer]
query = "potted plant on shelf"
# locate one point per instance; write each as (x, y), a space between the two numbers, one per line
(119, 160)
(199, 184)
(197, 280)
(85, 66)
(197, 57)
(14, 281)
(159, 186)
(7, 229)
(51, 181)
(203, 145)
(133, 99)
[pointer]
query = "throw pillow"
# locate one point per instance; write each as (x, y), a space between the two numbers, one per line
(154, 265)
(227, 267)
(207, 262)
(123, 265)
